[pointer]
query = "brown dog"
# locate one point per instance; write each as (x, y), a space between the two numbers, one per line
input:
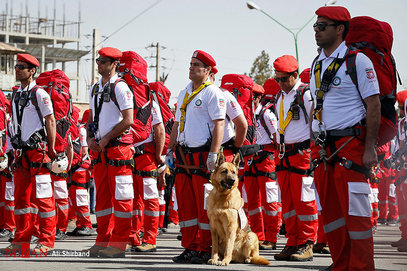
(224, 201)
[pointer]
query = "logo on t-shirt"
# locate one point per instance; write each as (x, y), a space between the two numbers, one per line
(336, 81)
(370, 73)
(128, 94)
(198, 102)
(45, 100)
(221, 103)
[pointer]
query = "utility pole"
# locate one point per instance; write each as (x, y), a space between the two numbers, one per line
(95, 48)
(157, 63)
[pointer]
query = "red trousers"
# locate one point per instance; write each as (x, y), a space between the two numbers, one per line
(388, 208)
(190, 191)
(78, 195)
(346, 210)
(34, 197)
(173, 212)
(7, 220)
(146, 207)
(262, 196)
(401, 191)
(299, 206)
(114, 197)
(61, 200)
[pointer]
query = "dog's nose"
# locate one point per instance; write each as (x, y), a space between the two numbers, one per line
(230, 181)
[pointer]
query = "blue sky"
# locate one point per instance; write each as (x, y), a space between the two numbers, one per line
(227, 29)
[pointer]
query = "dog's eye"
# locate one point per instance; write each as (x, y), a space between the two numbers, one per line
(225, 171)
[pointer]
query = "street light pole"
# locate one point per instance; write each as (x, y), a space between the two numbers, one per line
(252, 5)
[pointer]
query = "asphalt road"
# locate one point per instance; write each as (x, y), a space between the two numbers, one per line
(68, 256)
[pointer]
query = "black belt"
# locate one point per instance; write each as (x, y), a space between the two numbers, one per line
(198, 172)
(292, 149)
(142, 173)
(352, 131)
(39, 165)
(83, 185)
(63, 174)
(6, 174)
(204, 148)
(293, 170)
(119, 163)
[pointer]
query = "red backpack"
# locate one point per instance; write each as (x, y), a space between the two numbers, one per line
(56, 83)
(241, 86)
(375, 39)
(161, 95)
(3, 123)
(133, 70)
(75, 137)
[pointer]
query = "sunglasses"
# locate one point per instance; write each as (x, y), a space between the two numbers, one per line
(101, 60)
(322, 25)
(282, 79)
(20, 67)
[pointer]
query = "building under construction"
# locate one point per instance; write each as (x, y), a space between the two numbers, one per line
(55, 43)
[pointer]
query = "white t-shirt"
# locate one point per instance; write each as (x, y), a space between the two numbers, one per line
(207, 106)
(157, 119)
(110, 115)
(343, 107)
(297, 130)
(262, 137)
(233, 110)
(30, 122)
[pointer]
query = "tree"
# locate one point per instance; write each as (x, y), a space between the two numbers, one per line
(261, 69)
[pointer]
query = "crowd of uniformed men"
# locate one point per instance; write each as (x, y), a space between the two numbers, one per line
(327, 210)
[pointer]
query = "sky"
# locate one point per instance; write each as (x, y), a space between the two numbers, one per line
(233, 34)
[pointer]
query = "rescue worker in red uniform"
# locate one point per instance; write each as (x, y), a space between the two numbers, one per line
(260, 178)
(348, 141)
(146, 204)
(400, 153)
(109, 138)
(198, 130)
(7, 221)
(33, 138)
(293, 108)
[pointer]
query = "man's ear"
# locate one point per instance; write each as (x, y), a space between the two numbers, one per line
(236, 160)
(220, 160)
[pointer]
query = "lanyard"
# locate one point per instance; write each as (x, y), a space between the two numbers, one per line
(284, 123)
(187, 99)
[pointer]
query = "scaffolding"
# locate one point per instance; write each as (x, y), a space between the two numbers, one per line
(53, 42)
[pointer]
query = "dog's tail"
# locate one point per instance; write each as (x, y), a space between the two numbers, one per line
(259, 260)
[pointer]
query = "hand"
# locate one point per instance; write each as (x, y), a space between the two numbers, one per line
(93, 145)
(103, 143)
(161, 179)
(52, 153)
(370, 157)
(211, 161)
(169, 159)
(160, 159)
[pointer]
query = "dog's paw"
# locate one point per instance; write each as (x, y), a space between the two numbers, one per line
(213, 262)
(248, 260)
(223, 263)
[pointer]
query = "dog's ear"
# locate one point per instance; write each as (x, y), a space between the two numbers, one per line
(236, 160)
(220, 160)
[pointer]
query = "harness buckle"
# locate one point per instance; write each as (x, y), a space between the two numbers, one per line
(281, 151)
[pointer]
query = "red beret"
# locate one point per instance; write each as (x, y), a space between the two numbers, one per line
(258, 89)
(305, 75)
(204, 57)
(28, 59)
(401, 97)
(334, 13)
(85, 116)
(214, 70)
(110, 52)
(271, 87)
(286, 63)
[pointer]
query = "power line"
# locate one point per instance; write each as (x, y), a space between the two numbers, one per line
(138, 15)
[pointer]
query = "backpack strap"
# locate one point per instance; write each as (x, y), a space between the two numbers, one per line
(351, 66)
(299, 96)
(34, 101)
(263, 121)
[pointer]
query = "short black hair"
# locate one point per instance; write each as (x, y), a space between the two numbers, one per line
(346, 25)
